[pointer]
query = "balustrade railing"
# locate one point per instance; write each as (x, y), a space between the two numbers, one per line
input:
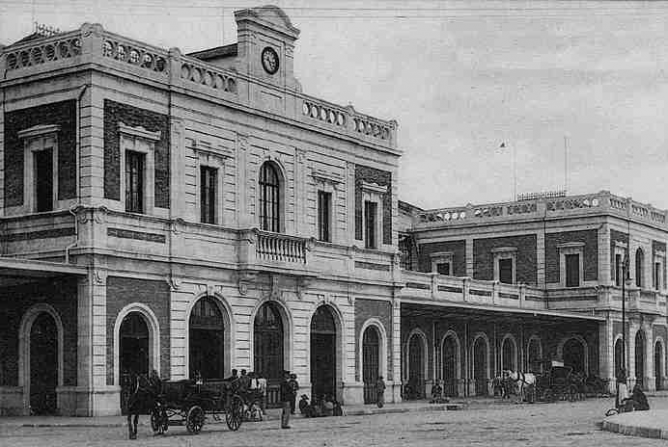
(206, 75)
(44, 50)
(281, 247)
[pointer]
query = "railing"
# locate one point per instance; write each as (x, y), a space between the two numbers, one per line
(281, 247)
(549, 206)
(92, 44)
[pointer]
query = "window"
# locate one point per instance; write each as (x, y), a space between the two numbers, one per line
(640, 266)
(658, 275)
(270, 199)
(43, 163)
(138, 168)
(618, 270)
(443, 268)
(370, 209)
(324, 216)
(208, 185)
(40, 175)
(506, 270)
(572, 270)
(134, 182)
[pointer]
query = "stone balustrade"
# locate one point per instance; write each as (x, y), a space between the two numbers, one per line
(91, 44)
(281, 247)
(599, 202)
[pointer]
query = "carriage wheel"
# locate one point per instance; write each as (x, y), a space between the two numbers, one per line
(195, 419)
(234, 414)
(159, 420)
(255, 412)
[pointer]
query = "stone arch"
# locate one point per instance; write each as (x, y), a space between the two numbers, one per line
(585, 349)
(153, 336)
(229, 330)
(288, 328)
(451, 385)
(417, 332)
(512, 342)
(531, 366)
(339, 323)
(486, 373)
(375, 322)
(25, 328)
(660, 369)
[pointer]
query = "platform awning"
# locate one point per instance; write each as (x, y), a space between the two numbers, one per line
(18, 271)
(491, 313)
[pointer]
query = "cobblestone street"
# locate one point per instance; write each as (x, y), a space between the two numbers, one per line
(498, 424)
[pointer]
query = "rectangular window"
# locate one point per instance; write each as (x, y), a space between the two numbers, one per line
(134, 182)
(657, 276)
(618, 270)
(506, 271)
(572, 270)
(443, 268)
(324, 215)
(43, 162)
(208, 185)
(370, 224)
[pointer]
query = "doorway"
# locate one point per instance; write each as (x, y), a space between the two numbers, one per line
(323, 352)
(133, 353)
(43, 365)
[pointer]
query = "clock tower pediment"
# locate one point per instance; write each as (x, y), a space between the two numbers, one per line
(266, 42)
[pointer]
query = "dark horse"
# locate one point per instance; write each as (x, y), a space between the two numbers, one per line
(143, 395)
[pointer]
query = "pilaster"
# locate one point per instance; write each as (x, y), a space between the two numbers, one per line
(540, 258)
(469, 257)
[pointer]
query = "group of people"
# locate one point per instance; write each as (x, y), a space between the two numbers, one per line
(325, 405)
(251, 386)
(637, 401)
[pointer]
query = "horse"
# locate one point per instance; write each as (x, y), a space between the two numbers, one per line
(524, 383)
(141, 400)
(503, 386)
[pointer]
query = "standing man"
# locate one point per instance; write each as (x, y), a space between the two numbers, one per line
(380, 392)
(262, 389)
(286, 398)
(294, 385)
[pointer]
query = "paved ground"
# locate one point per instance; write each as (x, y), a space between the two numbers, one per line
(482, 424)
(648, 424)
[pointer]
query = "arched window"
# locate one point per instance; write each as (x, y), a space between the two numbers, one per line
(640, 267)
(207, 340)
(270, 198)
(508, 354)
(268, 333)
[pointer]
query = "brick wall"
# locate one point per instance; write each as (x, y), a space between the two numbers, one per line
(155, 295)
(382, 178)
(616, 236)
(458, 249)
(62, 296)
(59, 113)
(382, 310)
(483, 258)
(114, 113)
(552, 258)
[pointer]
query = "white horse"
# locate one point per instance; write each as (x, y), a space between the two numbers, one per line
(525, 383)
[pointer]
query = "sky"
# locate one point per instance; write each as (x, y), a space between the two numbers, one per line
(575, 91)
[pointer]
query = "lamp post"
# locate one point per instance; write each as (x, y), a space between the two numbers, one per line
(625, 274)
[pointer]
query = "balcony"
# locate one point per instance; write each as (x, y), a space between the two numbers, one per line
(258, 248)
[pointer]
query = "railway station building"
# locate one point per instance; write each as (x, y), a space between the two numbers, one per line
(201, 213)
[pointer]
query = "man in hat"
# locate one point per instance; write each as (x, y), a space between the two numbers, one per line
(286, 399)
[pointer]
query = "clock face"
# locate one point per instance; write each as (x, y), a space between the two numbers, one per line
(270, 60)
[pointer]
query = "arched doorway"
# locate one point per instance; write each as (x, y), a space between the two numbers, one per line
(133, 352)
(414, 389)
(43, 365)
(534, 354)
(480, 353)
(450, 366)
(640, 358)
(619, 350)
(323, 352)
(658, 364)
(508, 354)
(574, 355)
(268, 349)
(370, 363)
(206, 339)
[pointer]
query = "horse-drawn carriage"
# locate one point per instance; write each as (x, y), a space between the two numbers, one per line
(559, 383)
(189, 403)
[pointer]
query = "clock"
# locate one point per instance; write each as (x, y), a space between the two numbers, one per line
(270, 60)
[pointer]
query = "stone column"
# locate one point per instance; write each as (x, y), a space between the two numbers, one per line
(632, 328)
(606, 363)
(396, 350)
(649, 377)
